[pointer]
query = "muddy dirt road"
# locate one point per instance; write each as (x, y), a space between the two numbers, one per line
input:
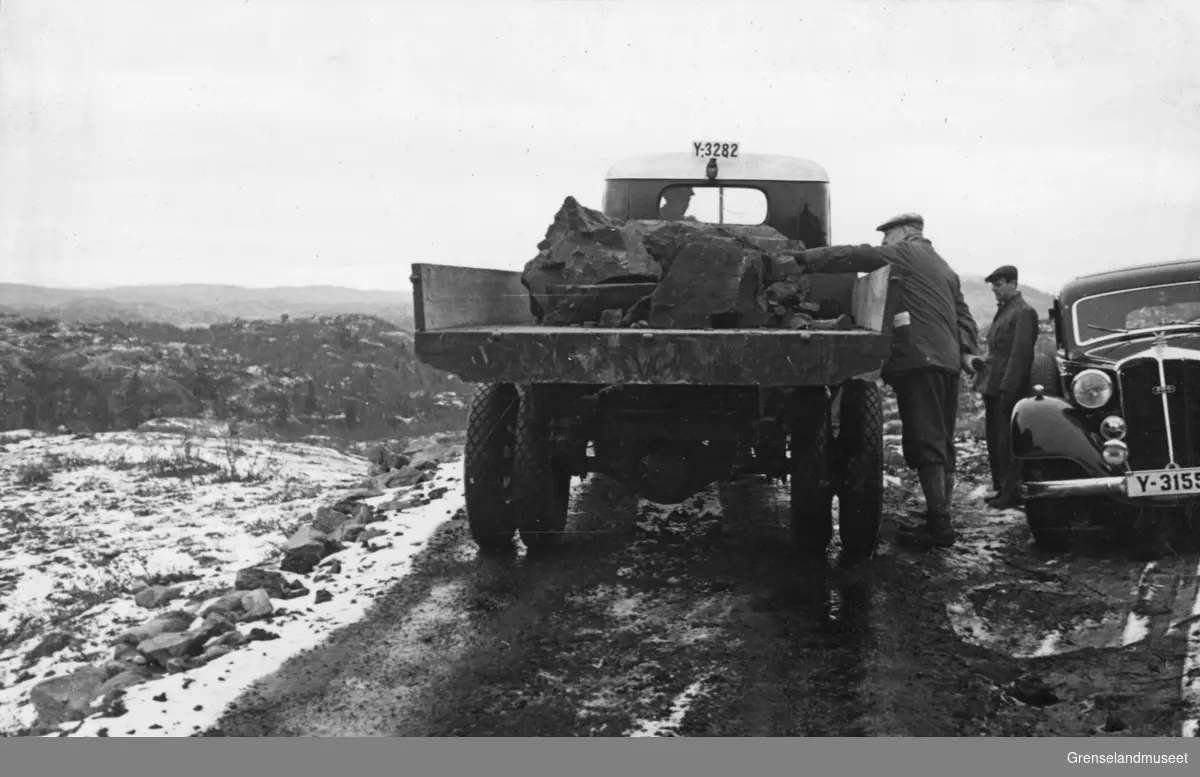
(698, 620)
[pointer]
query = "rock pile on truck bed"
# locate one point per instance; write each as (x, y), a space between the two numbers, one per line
(592, 270)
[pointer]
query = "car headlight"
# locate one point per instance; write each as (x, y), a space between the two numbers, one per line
(1092, 389)
(1113, 427)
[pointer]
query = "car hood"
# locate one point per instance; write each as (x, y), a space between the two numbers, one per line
(1114, 351)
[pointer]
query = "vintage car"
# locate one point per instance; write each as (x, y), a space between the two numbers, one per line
(1113, 424)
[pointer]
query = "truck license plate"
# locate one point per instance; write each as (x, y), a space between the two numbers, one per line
(1163, 482)
(704, 150)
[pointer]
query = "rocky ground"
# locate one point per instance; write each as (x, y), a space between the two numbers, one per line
(147, 577)
(652, 620)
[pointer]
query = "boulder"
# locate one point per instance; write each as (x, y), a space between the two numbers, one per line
(583, 246)
(230, 639)
(228, 603)
(405, 476)
(68, 697)
(175, 620)
(252, 578)
(431, 457)
(117, 684)
(157, 595)
(215, 652)
(173, 644)
(306, 548)
(328, 520)
(371, 534)
(257, 604)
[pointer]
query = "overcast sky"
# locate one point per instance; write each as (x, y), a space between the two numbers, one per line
(289, 142)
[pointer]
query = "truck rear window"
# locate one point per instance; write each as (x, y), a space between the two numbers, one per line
(739, 205)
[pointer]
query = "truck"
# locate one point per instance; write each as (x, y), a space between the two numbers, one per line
(668, 412)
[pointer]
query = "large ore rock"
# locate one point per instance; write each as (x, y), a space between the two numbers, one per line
(718, 276)
(582, 247)
(712, 283)
(593, 270)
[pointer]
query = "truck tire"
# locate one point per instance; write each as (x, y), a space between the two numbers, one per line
(860, 468)
(1049, 521)
(487, 466)
(1044, 372)
(541, 484)
(811, 473)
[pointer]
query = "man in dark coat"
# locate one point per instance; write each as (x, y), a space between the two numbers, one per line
(934, 340)
(1011, 341)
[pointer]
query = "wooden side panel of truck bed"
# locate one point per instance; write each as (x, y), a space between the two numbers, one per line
(476, 324)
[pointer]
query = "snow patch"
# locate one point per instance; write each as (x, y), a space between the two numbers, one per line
(669, 726)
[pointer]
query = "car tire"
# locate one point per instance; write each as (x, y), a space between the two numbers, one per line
(541, 485)
(487, 466)
(811, 472)
(860, 468)
(1050, 521)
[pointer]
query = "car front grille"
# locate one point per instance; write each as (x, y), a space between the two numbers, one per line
(1146, 421)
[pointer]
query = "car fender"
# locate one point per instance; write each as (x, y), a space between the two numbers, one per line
(1049, 427)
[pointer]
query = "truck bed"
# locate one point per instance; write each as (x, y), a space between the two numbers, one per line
(475, 324)
(728, 357)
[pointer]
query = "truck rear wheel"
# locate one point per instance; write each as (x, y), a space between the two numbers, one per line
(811, 472)
(541, 484)
(488, 466)
(860, 467)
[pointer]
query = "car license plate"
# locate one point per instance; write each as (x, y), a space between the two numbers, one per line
(721, 150)
(1164, 482)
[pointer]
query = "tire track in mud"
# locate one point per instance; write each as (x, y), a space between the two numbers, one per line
(697, 620)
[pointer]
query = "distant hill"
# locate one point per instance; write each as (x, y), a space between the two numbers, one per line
(203, 304)
(349, 375)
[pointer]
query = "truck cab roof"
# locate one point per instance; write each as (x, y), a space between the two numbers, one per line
(743, 167)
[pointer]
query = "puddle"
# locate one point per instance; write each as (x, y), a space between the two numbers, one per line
(1032, 622)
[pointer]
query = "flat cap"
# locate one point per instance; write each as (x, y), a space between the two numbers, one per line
(898, 221)
(1006, 272)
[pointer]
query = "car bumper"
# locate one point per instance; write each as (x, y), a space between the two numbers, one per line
(1111, 487)
(1063, 489)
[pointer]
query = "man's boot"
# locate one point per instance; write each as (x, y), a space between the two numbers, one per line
(949, 489)
(937, 531)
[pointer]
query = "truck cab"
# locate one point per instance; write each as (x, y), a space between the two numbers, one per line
(789, 194)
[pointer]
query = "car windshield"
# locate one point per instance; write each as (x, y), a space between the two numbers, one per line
(1132, 310)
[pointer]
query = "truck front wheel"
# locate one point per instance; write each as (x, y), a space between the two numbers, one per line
(811, 472)
(488, 466)
(860, 468)
(541, 483)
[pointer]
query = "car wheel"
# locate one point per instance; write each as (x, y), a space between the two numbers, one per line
(1050, 522)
